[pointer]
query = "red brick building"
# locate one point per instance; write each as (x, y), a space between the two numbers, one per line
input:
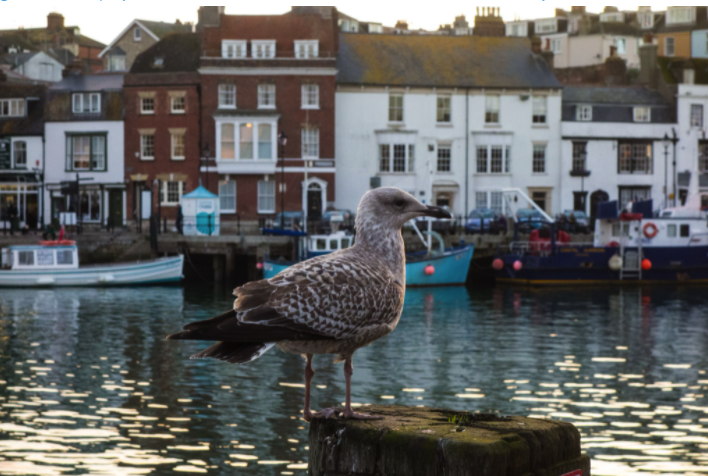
(260, 76)
(162, 126)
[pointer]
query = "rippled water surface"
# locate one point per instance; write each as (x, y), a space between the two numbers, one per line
(89, 385)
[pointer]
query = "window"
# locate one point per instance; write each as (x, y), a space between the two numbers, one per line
(265, 141)
(86, 103)
(668, 46)
(45, 257)
(19, 152)
(635, 158)
(227, 196)
(539, 109)
(310, 96)
(305, 49)
(555, 45)
(539, 159)
(491, 200)
(680, 15)
(621, 44)
(496, 202)
(395, 108)
(633, 194)
(642, 114)
(580, 156)
(266, 196)
(245, 141)
(263, 49)
(398, 158)
(491, 111)
(685, 231)
(12, 107)
(266, 96)
(116, 63)
(310, 142)
(46, 71)
(177, 141)
(147, 105)
(26, 258)
(689, 76)
(171, 193)
(671, 231)
(703, 156)
(178, 104)
(613, 17)
(697, 115)
(646, 19)
(227, 141)
(444, 156)
(90, 205)
(481, 200)
(65, 257)
(147, 146)
(583, 112)
(548, 25)
(86, 152)
(137, 34)
(227, 96)
(482, 155)
(493, 159)
(233, 49)
(443, 111)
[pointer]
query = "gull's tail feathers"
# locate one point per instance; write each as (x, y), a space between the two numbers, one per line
(234, 353)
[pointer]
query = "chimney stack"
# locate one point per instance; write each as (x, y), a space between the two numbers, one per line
(402, 25)
(55, 21)
(209, 16)
(577, 10)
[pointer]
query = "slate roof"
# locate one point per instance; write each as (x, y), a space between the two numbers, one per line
(442, 61)
(180, 53)
(612, 95)
(161, 29)
(92, 82)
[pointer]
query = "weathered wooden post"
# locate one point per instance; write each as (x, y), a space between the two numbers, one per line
(413, 441)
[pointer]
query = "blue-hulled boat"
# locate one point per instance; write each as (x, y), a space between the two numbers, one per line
(441, 267)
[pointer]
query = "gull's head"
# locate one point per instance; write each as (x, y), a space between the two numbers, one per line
(391, 208)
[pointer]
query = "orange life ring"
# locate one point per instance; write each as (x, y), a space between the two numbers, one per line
(650, 230)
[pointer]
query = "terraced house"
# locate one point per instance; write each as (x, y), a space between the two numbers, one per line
(267, 100)
(451, 119)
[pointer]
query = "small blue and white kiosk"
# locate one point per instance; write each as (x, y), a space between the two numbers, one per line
(201, 214)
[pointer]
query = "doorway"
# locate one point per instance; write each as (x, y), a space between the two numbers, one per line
(596, 197)
(580, 201)
(314, 202)
(31, 210)
(539, 198)
(115, 208)
(146, 204)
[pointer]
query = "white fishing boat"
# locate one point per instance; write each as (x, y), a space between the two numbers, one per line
(56, 263)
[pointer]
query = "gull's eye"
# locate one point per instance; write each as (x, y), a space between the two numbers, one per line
(399, 202)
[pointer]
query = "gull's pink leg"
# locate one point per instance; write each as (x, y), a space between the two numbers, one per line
(307, 413)
(348, 412)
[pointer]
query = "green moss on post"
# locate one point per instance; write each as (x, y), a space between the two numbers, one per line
(412, 441)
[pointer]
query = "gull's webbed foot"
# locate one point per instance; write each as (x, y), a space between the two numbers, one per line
(326, 413)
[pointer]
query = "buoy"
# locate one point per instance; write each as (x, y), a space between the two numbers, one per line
(497, 264)
(646, 264)
(259, 265)
(615, 263)
(430, 269)
(518, 265)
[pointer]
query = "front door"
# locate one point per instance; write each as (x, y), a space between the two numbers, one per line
(539, 198)
(596, 197)
(146, 204)
(314, 204)
(58, 207)
(579, 200)
(31, 210)
(115, 208)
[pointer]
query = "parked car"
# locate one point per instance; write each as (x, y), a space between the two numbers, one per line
(441, 225)
(344, 219)
(485, 220)
(291, 221)
(529, 219)
(573, 221)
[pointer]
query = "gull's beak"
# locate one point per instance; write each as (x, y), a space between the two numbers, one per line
(435, 212)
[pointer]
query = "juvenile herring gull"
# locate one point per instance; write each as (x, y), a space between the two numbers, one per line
(330, 304)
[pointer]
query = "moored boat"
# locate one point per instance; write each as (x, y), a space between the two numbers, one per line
(57, 264)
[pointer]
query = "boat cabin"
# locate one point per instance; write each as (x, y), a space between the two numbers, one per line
(323, 244)
(29, 257)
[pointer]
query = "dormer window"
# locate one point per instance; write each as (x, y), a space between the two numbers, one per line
(549, 25)
(86, 103)
(305, 49)
(12, 107)
(159, 61)
(233, 49)
(688, 76)
(645, 19)
(583, 112)
(137, 34)
(642, 114)
(612, 17)
(263, 49)
(677, 15)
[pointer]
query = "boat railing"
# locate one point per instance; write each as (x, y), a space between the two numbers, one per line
(544, 247)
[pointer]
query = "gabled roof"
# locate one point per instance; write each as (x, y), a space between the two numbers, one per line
(180, 52)
(156, 29)
(200, 192)
(441, 61)
(629, 95)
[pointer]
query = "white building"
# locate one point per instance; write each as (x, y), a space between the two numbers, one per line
(452, 120)
(84, 139)
(35, 65)
(692, 147)
(613, 146)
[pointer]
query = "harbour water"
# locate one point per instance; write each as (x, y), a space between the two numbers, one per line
(89, 385)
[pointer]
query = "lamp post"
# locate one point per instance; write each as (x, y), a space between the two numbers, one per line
(674, 140)
(666, 143)
(282, 140)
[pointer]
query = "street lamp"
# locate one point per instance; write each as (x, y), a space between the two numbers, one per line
(282, 140)
(666, 142)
